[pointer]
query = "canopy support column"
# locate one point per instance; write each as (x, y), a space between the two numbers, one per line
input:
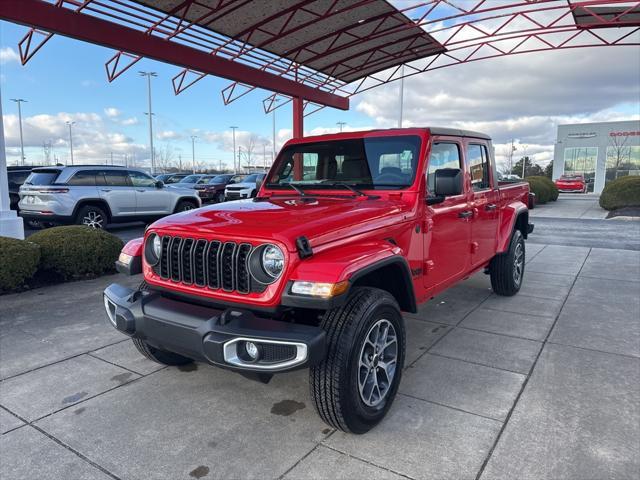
(298, 117)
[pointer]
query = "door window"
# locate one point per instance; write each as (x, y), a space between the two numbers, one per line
(443, 155)
(478, 166)
(116, 178)
(139, 179)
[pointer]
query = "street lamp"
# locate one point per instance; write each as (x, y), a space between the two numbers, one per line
(193, 152)
(150, 113)
(19, 101)
(340, 125)
(233, 129)
(69, 124)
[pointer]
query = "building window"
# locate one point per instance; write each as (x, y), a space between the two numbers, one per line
(622, 160)
(581, 160)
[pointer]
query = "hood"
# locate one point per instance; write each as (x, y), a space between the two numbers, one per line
(284, 219)
(242, 185)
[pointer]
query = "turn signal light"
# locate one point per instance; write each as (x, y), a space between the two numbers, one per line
(317, 289)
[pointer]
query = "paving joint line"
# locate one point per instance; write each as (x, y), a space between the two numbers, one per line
(528, 376)
(624, 355)
(61, 443)
(501, 334)
(477, 363)
(301, 459)
(548, 317)
(368, 462)
(457, 409)
(62, 360)
(125, 368)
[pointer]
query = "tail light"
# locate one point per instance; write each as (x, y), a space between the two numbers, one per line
(50, 190)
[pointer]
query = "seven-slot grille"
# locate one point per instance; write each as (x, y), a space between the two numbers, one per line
(204, 263)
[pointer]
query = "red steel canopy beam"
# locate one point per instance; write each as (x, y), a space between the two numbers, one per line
(90, 29)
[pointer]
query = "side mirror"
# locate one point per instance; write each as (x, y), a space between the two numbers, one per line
(159, 184)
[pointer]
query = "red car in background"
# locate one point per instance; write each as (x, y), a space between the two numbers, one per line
(572, 183)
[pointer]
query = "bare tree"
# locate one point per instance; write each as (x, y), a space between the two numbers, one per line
(164, 157)
(250, 145)
(618, 152)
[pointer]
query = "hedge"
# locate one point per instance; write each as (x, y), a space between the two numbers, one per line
(544, 188)
(18, 262)
(70, 252)
(621, 192)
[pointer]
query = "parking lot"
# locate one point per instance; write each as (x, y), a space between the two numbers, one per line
(540, 385)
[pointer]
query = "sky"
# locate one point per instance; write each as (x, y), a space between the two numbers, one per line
(520, 98)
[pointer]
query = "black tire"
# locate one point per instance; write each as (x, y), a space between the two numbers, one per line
(507, 269)
(160, 356)
(92, 216)
(335, 383)
(219, 197)
(184, 205)
(253, 193)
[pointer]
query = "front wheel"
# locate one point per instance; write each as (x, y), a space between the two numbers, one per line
(507, 269)
(185, 205)
(355, 385)
(220, 197)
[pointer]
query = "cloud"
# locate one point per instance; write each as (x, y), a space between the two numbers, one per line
(93, 139)
(168, 135)
(8, 55)
(112, 112)
(130, 121)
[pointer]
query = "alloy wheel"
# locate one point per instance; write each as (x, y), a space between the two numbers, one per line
(518, 263)
(377, 363)
(93, 219)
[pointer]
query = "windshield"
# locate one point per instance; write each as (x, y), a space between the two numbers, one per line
(190, 179)
(375, 162)
(571, 177)
(251, 178)
(42, 177)
(203, 180)
(220, 179)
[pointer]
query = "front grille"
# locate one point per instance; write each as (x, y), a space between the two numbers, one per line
(213, 264)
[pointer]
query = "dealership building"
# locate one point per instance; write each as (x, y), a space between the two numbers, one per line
(600, 151)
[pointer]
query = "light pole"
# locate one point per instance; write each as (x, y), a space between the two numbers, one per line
(150, 113)
(524, 160)
(233, 129)
(69, 124)
(340, 125)
(19, 101)
(193, 152)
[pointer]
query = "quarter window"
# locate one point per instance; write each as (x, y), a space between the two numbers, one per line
(443, 155)
(83, 178)
(478, 166)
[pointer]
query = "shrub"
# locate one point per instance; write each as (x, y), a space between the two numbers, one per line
(544, 188)
(620, 193)
(74, 251)
(18, 262)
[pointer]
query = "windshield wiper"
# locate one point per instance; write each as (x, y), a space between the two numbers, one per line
(297, 189)
(347, 186)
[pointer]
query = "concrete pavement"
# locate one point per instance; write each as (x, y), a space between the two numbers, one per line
(540, 385)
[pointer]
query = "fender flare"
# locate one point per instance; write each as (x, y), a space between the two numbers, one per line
(101, 202)
(512, 216)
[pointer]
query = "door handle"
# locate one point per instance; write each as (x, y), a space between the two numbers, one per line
(140, 190)
(466, 214)
(490, 207)
(105, 189)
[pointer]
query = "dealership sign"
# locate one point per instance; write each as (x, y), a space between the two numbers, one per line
(582, 135)
(624, 134)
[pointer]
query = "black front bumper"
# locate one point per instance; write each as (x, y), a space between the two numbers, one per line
(211, 335)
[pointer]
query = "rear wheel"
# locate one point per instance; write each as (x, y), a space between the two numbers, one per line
(354, 387)
(220, 197)
(184, 205)
(160, 356)
(507, 269)
(92, 216)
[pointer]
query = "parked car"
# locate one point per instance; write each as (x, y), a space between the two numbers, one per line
(213, 190)
(317, 272)
(96, 195)
(190, 181)
(16, 175)
(246, 188)
(169, 178)
(572, 183)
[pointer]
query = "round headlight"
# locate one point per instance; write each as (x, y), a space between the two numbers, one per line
(272, 261)
(152, 249)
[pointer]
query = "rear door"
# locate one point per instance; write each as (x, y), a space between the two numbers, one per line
(484, 202)
(447, 228)
(115, 189)
(150, 200)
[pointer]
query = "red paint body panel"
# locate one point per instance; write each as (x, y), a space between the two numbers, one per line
(573, 183)
(348, 233)
(134, 247)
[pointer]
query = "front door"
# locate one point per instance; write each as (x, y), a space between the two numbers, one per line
(115, 189)
(150, 200)
(484, 202)
(447, 226)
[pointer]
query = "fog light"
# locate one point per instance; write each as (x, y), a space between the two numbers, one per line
(252, 350)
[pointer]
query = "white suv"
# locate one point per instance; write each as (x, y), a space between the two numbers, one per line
(245, 188)
(98, 195)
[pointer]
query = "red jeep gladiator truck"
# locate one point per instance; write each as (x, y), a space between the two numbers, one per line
(347, 232)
